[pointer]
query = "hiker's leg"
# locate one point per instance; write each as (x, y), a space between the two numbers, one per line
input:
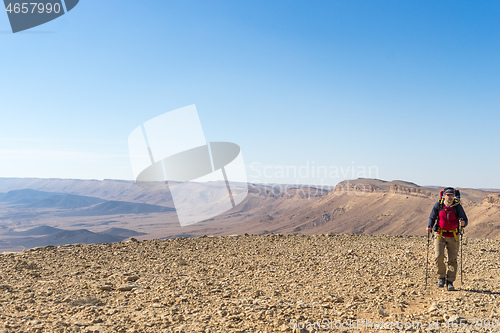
(453, 246)
(439, 257)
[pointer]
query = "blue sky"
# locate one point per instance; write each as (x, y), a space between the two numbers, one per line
(389, 89)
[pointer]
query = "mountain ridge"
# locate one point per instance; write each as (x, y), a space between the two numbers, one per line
(45, 235)
(359, 206)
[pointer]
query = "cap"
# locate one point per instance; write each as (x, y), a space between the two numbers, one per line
(449, 190)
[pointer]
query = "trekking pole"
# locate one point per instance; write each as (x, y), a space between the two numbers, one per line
(427, 262)
(461, 257)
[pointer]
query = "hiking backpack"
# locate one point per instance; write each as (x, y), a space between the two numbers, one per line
(447, 210)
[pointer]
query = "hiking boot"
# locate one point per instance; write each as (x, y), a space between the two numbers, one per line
(441, 282)
(449, 286)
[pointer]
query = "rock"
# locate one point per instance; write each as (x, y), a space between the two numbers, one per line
(433, 307)
(95, 329)
(131, 278)
(383, 312)
(81, 324)
(180, 329)
(127, 287)
(454, 318)
(105, 287)
(257, 293)
(182, 262)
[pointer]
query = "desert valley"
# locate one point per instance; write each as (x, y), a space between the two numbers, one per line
(38, 212)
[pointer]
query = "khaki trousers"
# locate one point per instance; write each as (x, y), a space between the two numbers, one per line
(452, 247)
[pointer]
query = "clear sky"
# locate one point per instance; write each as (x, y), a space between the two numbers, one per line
(314, 92)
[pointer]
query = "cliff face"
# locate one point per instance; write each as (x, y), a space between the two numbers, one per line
(349, 186)
(374, 185)
(410, 191)
(493, 199)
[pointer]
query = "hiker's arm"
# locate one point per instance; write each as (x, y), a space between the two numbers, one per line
(462, 215)
(433, 217)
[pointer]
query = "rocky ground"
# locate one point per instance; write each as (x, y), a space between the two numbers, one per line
(269, 283)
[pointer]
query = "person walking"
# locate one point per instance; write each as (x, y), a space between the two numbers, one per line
(446, 219)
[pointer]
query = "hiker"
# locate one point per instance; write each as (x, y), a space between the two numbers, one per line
(446, 216)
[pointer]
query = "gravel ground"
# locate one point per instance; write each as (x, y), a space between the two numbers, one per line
(272, 283)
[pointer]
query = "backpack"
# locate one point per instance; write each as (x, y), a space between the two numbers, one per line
(444, 224)
(455, 202)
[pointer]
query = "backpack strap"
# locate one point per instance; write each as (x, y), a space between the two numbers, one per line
(454, 231)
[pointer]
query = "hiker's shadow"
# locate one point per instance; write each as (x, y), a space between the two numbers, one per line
(487, 292)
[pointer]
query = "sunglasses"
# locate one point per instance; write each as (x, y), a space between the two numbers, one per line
(450, 194)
